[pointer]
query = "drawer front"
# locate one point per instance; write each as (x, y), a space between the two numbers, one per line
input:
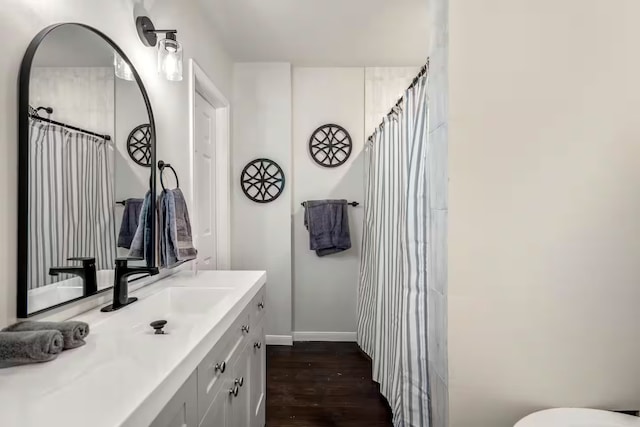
(219, 414)
(215, 368)
(214, 372)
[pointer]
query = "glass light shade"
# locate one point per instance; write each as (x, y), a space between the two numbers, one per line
(122, 69)
(170, 59)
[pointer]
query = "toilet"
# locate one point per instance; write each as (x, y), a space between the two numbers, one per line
(572, 417)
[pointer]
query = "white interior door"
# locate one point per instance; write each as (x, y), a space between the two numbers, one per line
(204, 186)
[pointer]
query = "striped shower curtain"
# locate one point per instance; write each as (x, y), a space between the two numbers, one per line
(392, 305)
(71, 200)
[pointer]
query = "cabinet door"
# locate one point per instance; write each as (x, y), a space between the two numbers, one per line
(182, 410)
(219, 411)
(258, 377)
(240, 411)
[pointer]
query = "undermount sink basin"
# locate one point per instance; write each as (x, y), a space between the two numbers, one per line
(186, 301)
(180, 306)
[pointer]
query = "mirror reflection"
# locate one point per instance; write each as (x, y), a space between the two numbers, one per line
(89, 166)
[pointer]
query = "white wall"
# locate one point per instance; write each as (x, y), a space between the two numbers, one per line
(22, 19)
(325, 289)
(544, 236)
(261, 233)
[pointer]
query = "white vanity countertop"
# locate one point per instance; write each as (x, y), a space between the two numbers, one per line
(123, 376)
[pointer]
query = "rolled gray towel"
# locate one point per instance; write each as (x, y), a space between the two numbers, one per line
(73, 332)
(21, 348)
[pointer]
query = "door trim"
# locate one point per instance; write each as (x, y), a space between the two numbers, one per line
(199, 82)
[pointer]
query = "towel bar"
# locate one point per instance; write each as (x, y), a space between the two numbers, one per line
(354, 204)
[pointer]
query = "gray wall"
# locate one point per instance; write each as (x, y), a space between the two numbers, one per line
(261, 233)
(325, 289)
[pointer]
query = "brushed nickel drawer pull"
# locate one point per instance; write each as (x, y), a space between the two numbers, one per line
(221, 367)
(234, 390)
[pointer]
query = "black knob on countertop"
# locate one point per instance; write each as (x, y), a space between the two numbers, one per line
(158, 325)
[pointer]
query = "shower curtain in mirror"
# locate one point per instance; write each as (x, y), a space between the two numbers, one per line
(71, 200)
(392, 304)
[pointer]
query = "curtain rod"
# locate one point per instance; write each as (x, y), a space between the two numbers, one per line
(36, 117)
(423, 71)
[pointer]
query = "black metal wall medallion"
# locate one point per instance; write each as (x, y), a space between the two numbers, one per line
(330, 145)
(262, 180)
(139, 145)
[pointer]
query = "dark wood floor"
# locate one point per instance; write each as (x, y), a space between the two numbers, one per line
(323, 385)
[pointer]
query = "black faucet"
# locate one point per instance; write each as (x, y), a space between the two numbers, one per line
(121, 282)
(87, 273)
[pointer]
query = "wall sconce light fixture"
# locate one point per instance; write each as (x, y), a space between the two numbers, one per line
(169, 49)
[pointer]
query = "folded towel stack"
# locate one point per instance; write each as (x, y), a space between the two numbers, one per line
(34, 342)
(21, 348)
(73, 332)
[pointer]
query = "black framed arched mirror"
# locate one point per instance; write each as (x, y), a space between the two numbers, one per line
(80, 194)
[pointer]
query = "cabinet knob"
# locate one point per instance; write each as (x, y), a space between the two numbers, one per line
(221, 367)
(245, 328)
(234, 390)
(261, 305)
(257, 344)
(239, 382)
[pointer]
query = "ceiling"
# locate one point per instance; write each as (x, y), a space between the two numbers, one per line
(323, 32)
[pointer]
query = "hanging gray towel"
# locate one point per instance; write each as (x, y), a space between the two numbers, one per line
(180, 228)
(328, 225)
(142, 240)
(73, 332)
(160, 216)
(166, 219)
(21, 348)
(129, 224)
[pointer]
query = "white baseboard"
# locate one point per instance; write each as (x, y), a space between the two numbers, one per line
(325, 336)
(279, 340)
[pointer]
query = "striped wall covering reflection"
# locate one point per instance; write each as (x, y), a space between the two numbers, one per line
(71, 201)
(392, 305)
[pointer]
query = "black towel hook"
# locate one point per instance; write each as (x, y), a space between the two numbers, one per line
(162, 165)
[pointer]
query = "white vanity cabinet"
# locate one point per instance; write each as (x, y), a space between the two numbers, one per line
(207, 370)
(228, 388)
(181, 411)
